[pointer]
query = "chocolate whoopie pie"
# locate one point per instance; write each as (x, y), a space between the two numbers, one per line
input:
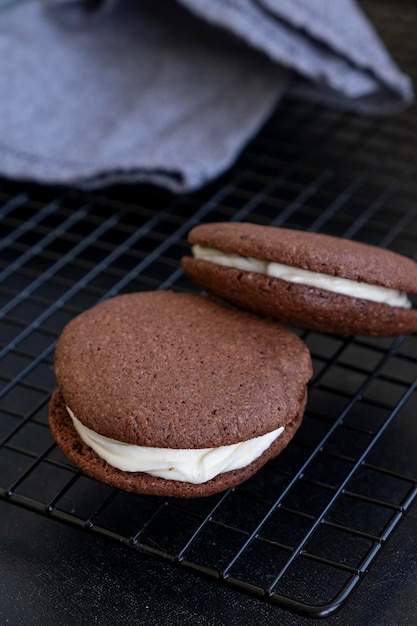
(306, 279)
(173, 394)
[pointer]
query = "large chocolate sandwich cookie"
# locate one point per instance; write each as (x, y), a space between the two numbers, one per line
(306, 279)
(173, 394)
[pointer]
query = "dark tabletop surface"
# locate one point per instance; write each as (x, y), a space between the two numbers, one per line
(51, 573)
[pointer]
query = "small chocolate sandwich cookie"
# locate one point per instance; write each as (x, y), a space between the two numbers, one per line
(306, 279)
(173, 394)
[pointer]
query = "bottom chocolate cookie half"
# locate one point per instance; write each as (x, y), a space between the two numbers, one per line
(87, 460)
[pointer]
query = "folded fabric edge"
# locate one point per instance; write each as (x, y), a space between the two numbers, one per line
(178, 181)
(380, 64)
(376, 105)
(236, 19)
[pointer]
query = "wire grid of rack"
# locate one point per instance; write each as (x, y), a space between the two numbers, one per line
(304, 530)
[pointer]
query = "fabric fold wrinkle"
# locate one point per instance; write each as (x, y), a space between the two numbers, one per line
(170, 93)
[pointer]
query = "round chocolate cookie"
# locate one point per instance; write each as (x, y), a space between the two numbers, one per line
(152, 376)
(307, 279)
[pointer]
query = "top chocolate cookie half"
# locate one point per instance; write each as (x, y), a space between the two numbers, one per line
(312, 280)
(178, 371)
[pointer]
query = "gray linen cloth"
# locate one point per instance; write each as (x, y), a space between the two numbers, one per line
(170, 92)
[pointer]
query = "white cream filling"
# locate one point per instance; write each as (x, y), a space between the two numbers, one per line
(186, 465)
(344, 286)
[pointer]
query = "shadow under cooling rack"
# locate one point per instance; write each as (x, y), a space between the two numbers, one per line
(307, 527)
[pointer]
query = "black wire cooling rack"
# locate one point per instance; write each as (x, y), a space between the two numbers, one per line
(305, 529)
